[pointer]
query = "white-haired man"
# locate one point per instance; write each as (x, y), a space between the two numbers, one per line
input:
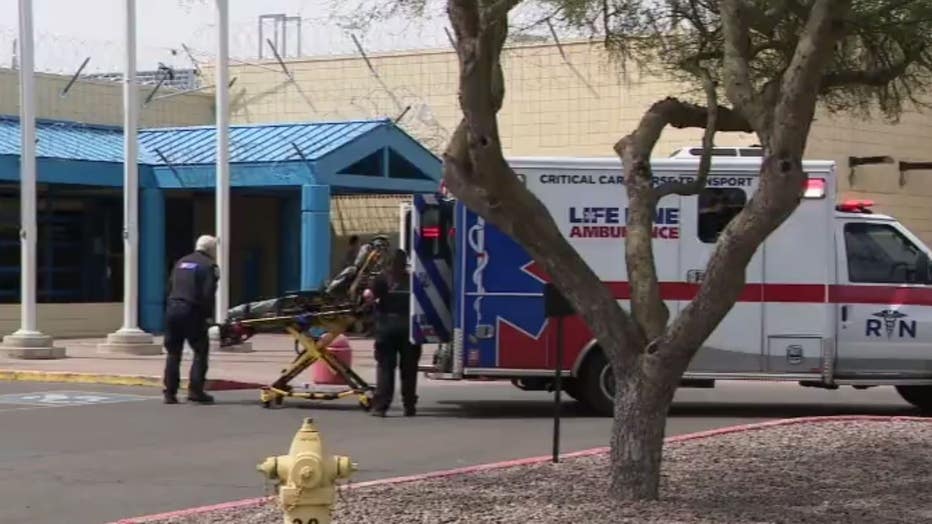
(189, 307)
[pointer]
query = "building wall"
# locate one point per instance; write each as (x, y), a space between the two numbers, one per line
(101, 102)
(363, 215)
(68, 320)
(94, 102)
(577, 107)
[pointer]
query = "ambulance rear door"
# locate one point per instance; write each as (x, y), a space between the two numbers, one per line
(735, 345)
(430, 245)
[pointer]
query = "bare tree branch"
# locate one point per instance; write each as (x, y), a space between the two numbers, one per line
(874, 77)
(476, 172)
(498, 10)
(799, 91)
(635, 149)
(708, 142)
(736, 68)
(778, 193)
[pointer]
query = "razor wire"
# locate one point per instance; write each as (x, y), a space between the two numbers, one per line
(401, 69)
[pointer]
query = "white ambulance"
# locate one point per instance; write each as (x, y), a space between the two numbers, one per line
(838, 295)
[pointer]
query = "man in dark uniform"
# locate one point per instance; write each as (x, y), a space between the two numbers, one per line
(192, 288)
(392, 292)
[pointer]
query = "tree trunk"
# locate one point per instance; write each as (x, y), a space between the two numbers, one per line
(641, 405)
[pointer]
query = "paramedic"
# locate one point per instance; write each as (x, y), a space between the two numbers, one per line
(391, 292)
(192, 286)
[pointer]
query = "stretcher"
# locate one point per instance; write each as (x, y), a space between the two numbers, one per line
(330, 312)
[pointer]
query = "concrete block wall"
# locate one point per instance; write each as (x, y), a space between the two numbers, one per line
(101, 102)
(577, 107)
(837, 137)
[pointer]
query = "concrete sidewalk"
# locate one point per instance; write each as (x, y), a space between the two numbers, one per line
(85, 364)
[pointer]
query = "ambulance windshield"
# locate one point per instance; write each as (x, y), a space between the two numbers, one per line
(878, 253)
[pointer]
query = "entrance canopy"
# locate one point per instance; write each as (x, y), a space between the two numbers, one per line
(291, 171)
(349, 156)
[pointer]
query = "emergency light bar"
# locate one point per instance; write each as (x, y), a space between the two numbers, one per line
(855, 206)
(815, 188)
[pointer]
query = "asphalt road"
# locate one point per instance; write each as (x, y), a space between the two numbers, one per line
(79, 454)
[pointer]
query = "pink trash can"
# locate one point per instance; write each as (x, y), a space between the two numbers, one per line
(321, 372)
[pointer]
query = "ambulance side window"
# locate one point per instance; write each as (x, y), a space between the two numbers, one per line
(716, 209)
(878, 253)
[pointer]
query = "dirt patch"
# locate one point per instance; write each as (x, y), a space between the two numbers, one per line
(854, 472)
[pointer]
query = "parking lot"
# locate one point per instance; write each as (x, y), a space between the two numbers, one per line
(93, 454)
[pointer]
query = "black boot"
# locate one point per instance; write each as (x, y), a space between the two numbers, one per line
(170, 398)
(200, 397)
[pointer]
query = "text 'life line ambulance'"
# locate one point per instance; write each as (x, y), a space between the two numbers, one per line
(836, 296)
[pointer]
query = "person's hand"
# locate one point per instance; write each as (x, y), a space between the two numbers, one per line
(368, 296)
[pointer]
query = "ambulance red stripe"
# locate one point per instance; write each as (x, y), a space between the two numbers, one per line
(797, 293)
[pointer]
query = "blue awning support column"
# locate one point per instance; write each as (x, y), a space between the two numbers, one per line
(315, 236)
(289, 261)
(152, 270)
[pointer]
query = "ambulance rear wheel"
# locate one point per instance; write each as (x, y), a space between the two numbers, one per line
(570, 386)
(919, 396)
(597, 384)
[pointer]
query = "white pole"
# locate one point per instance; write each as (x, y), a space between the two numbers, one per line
(129, 338)
(28, 342)
(130, 176)
(27, 121)
(223, 160)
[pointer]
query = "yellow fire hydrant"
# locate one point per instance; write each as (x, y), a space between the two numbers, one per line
(307, 478)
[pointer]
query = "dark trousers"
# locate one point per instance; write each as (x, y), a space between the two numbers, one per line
(392, 349)
(184, 323)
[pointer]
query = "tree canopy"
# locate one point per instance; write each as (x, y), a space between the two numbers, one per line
(883, 60)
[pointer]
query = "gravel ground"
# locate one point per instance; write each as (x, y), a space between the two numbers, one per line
(838, 472)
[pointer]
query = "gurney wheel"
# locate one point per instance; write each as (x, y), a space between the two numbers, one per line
(365, 403)
(266, 404)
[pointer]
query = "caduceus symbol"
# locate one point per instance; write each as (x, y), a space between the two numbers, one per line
(889, 320)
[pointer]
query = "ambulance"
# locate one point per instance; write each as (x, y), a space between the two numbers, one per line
(837, 296)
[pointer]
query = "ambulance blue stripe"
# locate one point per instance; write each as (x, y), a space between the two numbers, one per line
(436, 317)
(433, 273)
(428, 310)
(439, 288)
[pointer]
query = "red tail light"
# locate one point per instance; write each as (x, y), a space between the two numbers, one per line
(815, 188)
(430, 232)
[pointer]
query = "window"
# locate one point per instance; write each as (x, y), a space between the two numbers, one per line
(78, 248)
(716, 209)
(435, 229)
(878, 253)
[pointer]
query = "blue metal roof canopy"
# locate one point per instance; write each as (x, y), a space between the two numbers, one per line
(364, 155)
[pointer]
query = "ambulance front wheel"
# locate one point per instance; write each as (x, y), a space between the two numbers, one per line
(919, 396)
(597, 384)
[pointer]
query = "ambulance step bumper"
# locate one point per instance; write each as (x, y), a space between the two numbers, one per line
(431, 372)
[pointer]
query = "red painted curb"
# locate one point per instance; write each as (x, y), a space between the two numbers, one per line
(236, 504)
(254, 502)
(229, 385)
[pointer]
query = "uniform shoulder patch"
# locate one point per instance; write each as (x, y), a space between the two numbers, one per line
(187, 265)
